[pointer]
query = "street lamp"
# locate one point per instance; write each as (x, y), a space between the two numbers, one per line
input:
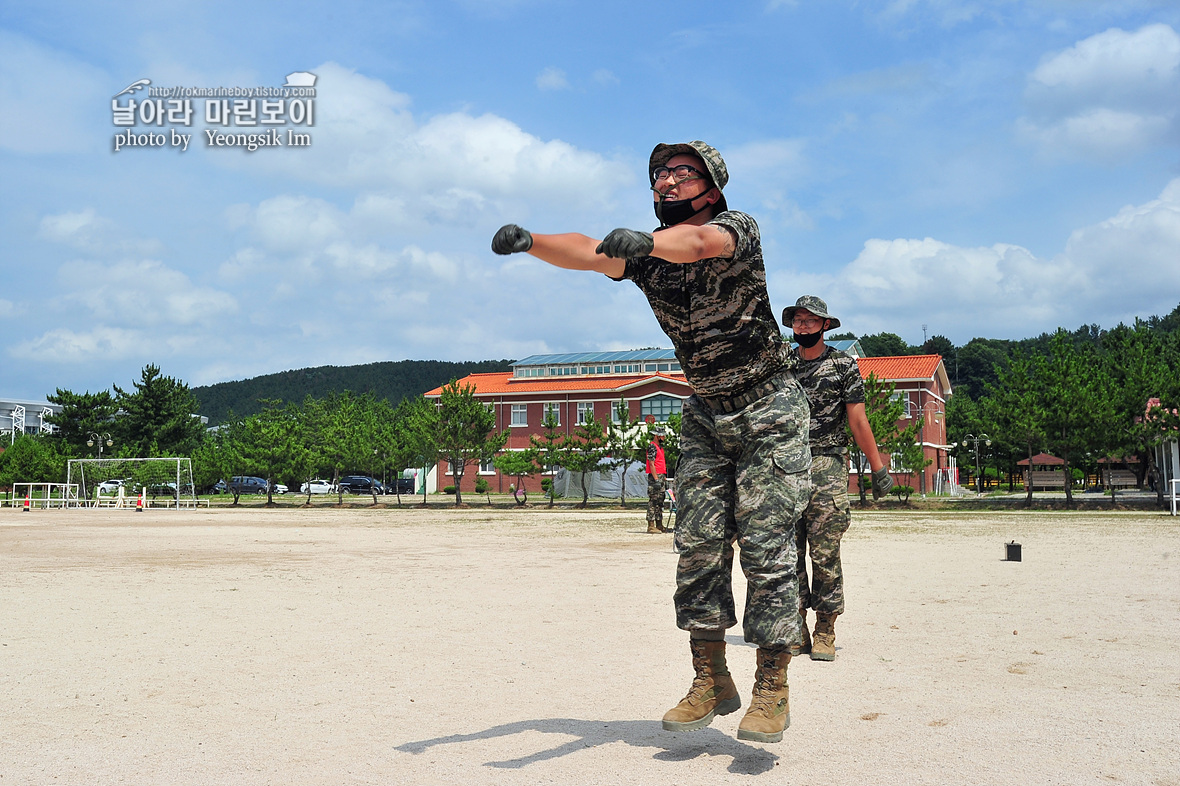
(100, 439)
(974, 440)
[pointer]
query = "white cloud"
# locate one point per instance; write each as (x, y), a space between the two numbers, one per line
(86, 231)
(366, 138)
(141, 293)
(49, 102)
(8, 309)
(1109, 95)
(63, 345)
(1110, 272)
(604, 78)
(552, 78)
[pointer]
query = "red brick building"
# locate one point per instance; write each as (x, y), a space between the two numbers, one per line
(921, 382)
(652, 384)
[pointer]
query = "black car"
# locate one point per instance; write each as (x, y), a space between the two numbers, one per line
(403, 486)
(246, 484)
(360, 484)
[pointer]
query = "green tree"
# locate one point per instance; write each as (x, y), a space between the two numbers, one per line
(1075, 389)
(940, 345)
(520, 464)
(978, 363)
(583, 451)
(82, 414)
(270, 440)
(883, 412)
(624, 444)
(32, 459)
(418, 427)
(548, 446)
(884, 345)
(345, 425)
(159, 417)
(465, 431)
(1016, 408)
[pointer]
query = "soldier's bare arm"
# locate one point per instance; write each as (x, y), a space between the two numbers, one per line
(575, 252)
(858, 422)
(690, 243)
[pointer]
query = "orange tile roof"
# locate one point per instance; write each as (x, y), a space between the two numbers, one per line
(503, 383)
(900, 367)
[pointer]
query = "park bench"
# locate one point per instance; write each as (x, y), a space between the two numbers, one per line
(1120, 479)
(1046, 479)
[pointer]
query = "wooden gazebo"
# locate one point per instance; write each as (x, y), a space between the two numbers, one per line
(1043, 471)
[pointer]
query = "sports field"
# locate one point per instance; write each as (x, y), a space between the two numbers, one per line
(407, 646)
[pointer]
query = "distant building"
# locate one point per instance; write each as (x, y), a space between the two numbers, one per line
(653, 384)
(25, 417)
(922, 384)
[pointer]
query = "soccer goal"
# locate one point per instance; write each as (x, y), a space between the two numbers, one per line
(118, 482)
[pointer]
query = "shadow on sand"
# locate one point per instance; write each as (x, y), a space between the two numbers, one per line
(746, 759)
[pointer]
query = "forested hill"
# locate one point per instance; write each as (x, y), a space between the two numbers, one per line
(389, 380)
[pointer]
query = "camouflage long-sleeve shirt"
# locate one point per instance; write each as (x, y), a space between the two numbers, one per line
(717, 312)
(831, 382)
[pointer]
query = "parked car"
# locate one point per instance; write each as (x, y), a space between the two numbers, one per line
(166, 489)
(318, 486)
(403, 486)
(360, 484)
(111, 486)
(279, 488)
(246, 484)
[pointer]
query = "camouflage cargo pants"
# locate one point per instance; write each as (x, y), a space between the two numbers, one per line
(823, 523)
(655, 498)
(742, 475)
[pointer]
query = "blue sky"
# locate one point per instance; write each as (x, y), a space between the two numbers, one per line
(981, 167)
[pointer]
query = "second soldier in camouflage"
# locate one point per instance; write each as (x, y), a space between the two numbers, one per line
(834, 389)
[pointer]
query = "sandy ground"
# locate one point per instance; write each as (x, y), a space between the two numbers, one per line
(442, 647)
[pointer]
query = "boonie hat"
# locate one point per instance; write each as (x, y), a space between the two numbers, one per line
(814, 305)
(714, 164)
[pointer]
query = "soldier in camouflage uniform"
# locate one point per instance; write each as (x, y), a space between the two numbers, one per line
(834, 389)
(657, 479)
(743, 470)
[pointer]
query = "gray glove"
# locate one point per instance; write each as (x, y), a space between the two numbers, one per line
(882, 483)
(626, 244)
(510, 239)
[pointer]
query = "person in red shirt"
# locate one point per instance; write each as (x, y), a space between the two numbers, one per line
(657, 478)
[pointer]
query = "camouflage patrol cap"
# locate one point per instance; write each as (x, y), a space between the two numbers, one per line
(815, 306)
(659, 431)
(714, 164)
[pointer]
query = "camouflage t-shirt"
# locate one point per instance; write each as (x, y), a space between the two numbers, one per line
(831, 382)
(717, 312)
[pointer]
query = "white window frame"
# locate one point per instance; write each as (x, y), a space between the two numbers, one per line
(551, 406)
(522, 409)
(583, 408)
(487, 468)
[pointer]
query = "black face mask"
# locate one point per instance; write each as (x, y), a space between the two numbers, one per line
(671, 212)
(808, 340)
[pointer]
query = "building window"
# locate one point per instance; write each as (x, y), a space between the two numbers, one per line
(585, 411)
(904, 397)
(660, 407)
(614, 412)
(520, 414)
(552, 410)
(486, 467)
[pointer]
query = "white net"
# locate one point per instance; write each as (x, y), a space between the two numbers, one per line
(163, 481)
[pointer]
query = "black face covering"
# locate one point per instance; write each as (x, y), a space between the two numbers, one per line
(808, 340)
(671, 212)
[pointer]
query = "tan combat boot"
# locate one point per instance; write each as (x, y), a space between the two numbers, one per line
(805, 647)
(823, 646)
(712, 692)
(770, 710)
(652, 528)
